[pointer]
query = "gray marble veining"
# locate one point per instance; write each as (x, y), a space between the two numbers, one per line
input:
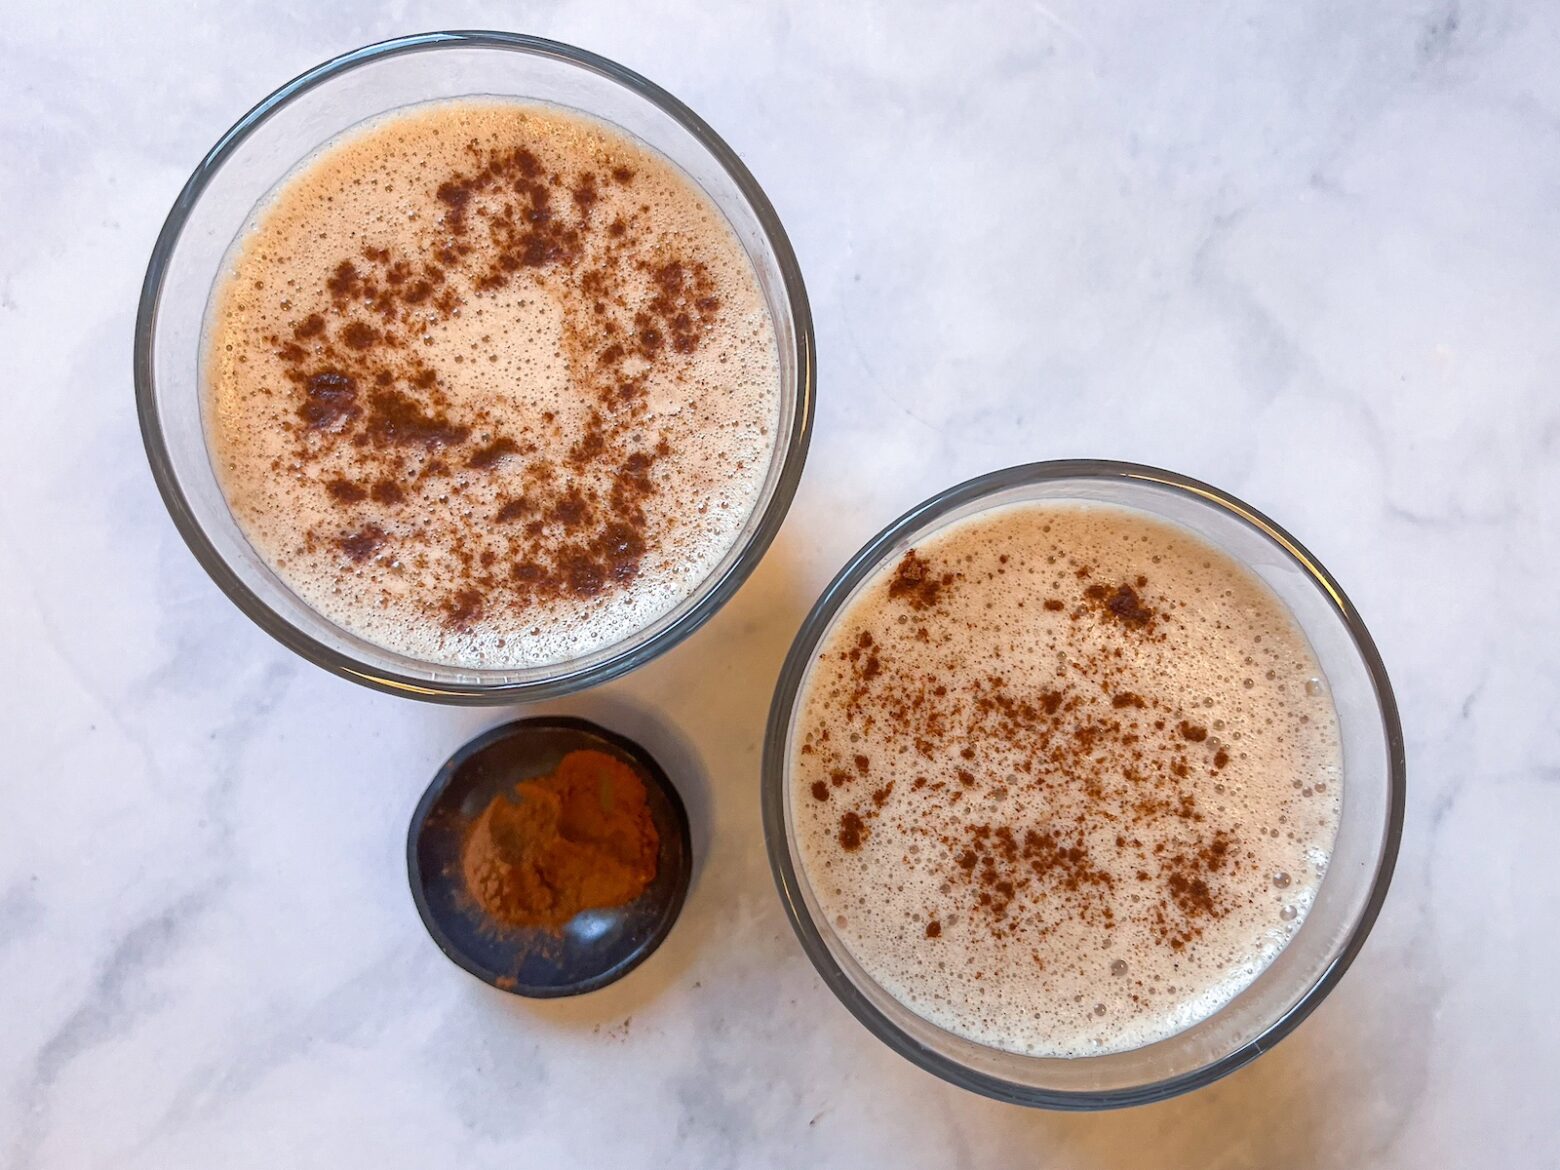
(1309, 252)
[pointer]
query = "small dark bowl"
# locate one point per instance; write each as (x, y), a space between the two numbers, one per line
(596, 947)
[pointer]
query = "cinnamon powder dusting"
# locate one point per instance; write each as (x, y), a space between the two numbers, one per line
(581, 838)
(1000, 753)
(534, 223)
(364, 388)
(1122, 757)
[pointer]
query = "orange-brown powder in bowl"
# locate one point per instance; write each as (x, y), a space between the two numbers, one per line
(579, 839)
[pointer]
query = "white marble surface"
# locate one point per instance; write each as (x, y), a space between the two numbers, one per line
(1308, 251)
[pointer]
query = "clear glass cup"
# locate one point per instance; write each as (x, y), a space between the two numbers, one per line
(1352, 889)
(248, 162)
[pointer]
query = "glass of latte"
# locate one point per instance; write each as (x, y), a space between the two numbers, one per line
(1083, 784)
(475, 367)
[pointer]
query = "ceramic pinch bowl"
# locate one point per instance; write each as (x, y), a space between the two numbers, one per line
(595, 947)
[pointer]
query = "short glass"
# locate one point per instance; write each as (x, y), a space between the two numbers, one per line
(1357, 875)
(249, 161)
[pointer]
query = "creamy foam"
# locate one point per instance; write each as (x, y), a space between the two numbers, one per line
(1065, 778)
(491, 384)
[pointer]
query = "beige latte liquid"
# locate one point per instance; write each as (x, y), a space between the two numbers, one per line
(1065, 778)
(490, 384)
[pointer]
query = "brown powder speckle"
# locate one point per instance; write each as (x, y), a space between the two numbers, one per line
(852, 830)
(916, 583)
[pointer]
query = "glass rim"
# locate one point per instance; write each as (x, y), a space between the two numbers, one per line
(775, 773)
(790, 450)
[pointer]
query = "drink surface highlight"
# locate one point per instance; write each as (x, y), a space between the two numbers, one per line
(1064, 778)
(490, 384)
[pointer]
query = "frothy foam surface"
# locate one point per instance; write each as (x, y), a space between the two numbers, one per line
(491, 384)
(1065, 778)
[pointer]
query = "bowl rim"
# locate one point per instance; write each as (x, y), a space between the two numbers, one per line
(790, 450)
(774, 775)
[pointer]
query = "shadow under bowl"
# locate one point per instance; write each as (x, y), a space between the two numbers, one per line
(595, 947)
